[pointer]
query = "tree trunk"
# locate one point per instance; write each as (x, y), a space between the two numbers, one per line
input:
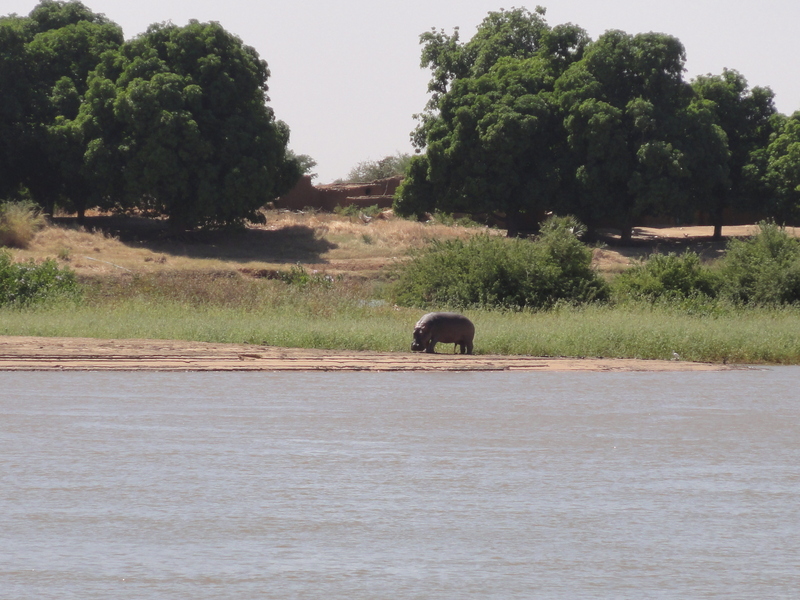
(512, 223)
(626, 233)
(717, 219)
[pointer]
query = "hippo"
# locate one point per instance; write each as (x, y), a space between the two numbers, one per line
(445, 327)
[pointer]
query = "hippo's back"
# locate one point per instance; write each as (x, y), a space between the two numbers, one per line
(448, 327)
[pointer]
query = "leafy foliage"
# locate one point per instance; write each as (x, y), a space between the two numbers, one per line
(354, 210)
(667, 277)
(782, 169)
(488, 271)
(176, 124)
(23, 284)
(491, 129)
(305, 163)
(763, 270)
(371, 170)
(525, 118)
(760, 271)
(622, 105)
(45, 59)
(744, 116)
(173, 122)
(299, 276)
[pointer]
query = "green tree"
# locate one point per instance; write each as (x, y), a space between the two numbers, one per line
(707, 158)
(621, 104)
(44, 63)
(15, 98)
(176, 123)
(491, 130)
(370, 170)
(305, 163)
(763, 270)
(744, 115)
(516, 33)
(782, 169)
(493, 147)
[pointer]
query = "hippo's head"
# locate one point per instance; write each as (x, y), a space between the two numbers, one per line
(421, 338)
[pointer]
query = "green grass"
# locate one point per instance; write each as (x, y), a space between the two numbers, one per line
(344, 315)
(356, 328)
(755, 336)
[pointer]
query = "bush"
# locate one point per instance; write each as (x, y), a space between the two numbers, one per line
(451, 220)
(19, 223)
(490, 271)
(667, 277)
(354, 210)
(22, 284)
(298, 276)
(763, 270)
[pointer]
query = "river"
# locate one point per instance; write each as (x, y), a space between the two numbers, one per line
(400, 485)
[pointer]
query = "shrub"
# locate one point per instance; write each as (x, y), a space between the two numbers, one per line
(763, 270)
(297, 275)
(354, 210)
(667, 277)
(22, 284)
(450, 220)
(19, 223)
(490, 271)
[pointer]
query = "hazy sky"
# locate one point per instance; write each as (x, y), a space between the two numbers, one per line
(346, 76)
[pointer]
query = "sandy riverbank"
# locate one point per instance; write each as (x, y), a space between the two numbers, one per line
(87, 354)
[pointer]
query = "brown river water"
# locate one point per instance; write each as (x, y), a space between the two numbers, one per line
(400, 485)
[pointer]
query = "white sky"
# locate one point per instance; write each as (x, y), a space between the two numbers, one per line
(346, 76)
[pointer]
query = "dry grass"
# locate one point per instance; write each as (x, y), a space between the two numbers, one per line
(320, 241)
(19, 223)
(383, 236)
(330, 243)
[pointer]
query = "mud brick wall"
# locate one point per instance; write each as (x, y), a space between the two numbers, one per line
(329, 196)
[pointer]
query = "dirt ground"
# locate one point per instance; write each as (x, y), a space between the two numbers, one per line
(85, 354)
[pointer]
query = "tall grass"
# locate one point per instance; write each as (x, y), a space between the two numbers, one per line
(346, 316)
(359, 328)
(649, 332)
(19, 223)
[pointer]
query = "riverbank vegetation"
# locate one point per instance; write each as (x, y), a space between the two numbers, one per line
(348, 317)
(669, 305)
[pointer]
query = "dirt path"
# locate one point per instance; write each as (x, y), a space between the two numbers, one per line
(85, 354)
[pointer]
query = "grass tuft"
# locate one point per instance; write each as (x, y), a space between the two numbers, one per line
(19, 223)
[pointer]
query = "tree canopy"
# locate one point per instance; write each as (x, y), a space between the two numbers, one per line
(174, 122)
(491, 129)
(782, 168)
(744, 115)
(622, 105)
(525, 118)
(45, 60)
(370, 170)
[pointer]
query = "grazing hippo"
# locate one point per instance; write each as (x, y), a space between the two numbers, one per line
(445, 327)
